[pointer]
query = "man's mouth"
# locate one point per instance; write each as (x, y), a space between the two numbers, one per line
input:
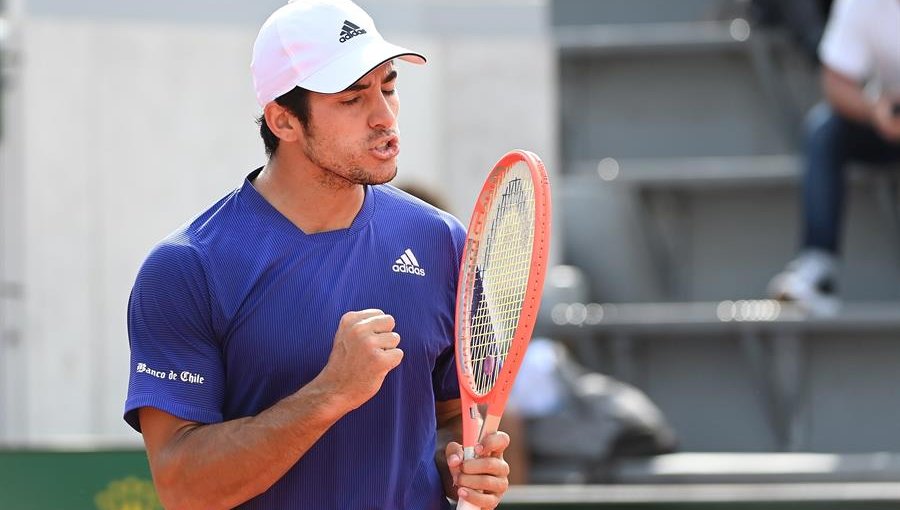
(387, 148)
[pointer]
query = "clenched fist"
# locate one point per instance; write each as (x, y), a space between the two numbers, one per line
(364, 351)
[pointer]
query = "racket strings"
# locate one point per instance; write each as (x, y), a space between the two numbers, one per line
(501, 278)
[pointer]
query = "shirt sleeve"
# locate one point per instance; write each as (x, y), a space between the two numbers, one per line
(844, 47)
(444, 377)
(176, 362)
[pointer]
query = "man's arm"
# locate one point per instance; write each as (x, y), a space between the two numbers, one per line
(849, 99)
(481, 481)
(449, 430)
(225, 464)
(846, 96)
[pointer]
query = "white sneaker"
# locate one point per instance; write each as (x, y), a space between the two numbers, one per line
(809, 281)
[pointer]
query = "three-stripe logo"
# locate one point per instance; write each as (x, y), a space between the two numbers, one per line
(350, 30)
(407, 263)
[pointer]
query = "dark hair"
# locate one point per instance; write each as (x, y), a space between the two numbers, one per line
(295, 101)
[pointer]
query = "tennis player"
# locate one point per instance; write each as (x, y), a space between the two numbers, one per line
(292, 346)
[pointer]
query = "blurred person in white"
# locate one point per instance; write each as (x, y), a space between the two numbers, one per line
(858, 121)
(572, 423)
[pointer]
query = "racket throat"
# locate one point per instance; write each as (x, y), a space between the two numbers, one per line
(491, 424)
(473, 423)
(482, 424)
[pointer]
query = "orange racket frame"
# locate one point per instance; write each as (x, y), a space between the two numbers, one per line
(481, 414)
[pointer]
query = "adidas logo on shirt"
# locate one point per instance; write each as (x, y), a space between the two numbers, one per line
(349, 31)
(407, 263)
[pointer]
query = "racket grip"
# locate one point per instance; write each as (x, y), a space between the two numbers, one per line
(465, 505)
(491, 425)
(468, 453)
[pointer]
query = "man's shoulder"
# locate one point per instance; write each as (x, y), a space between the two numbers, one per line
(192, 240)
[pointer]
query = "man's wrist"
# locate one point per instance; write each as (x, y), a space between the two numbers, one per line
(331, 405)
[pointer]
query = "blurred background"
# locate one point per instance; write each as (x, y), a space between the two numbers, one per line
(673, 133)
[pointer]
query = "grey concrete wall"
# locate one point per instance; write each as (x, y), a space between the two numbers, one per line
(12, 400)
(134, 131)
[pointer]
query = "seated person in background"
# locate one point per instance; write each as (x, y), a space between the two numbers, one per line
(859, 121)
(573, 423)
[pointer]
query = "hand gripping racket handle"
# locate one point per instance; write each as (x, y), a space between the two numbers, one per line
(469, 453)
(491, 425)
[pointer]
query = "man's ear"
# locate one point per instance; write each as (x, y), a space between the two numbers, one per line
(283, 124)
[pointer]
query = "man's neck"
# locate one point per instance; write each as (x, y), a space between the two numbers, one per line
(310, 202)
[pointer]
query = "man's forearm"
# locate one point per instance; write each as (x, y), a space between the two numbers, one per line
(847, 97)
(446, 435)
(225, 464)
(449, 423)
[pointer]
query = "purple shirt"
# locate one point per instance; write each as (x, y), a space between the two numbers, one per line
(238, 309)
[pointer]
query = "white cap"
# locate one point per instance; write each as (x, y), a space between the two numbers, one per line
(320, 45)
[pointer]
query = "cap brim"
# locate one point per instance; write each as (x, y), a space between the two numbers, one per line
(353, 65)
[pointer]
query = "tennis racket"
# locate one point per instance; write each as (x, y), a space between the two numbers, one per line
(501, 278)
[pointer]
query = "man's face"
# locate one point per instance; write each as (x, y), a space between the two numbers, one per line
(352, 135)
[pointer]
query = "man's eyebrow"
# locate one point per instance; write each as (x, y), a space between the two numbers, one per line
(356, 87)
(391, 76)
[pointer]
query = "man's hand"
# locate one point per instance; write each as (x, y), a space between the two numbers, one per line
(483, 480)
(364, 351)
(885, 121)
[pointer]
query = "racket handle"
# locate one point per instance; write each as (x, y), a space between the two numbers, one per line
(465, 505)
(468, 453)
(491, 425)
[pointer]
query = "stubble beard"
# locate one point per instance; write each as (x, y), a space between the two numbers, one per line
(337, 175)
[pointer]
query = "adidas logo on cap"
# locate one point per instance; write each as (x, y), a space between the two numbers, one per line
(349, 31)
(407, 263)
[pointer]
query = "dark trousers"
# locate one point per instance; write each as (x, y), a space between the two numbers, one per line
(832, 141)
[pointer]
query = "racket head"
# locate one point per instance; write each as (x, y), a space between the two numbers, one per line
(501, 278)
